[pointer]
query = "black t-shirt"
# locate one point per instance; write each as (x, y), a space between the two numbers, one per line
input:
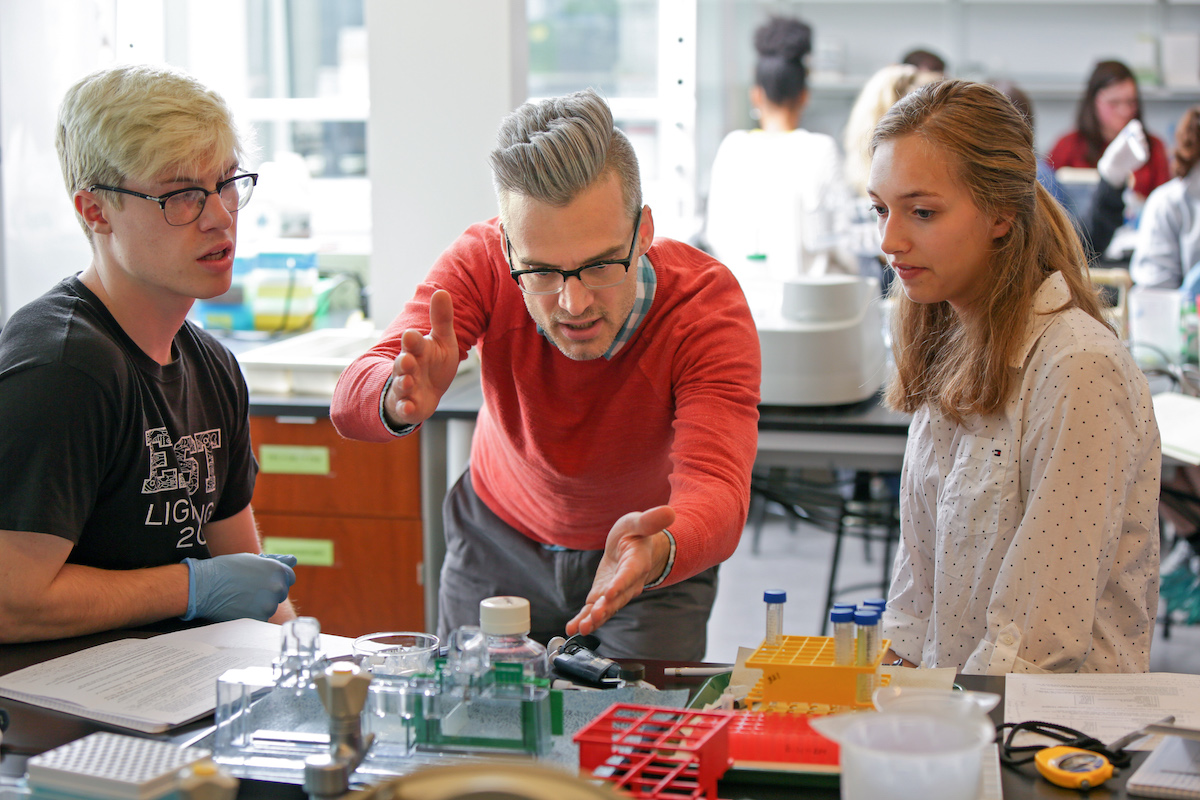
(102, 445)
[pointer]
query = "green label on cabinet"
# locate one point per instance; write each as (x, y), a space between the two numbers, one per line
(308, 552)
(292, 459)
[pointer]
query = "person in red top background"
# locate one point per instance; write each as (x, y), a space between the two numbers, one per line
(1110, 101)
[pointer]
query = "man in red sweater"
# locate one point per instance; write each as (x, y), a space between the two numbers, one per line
(611, 461)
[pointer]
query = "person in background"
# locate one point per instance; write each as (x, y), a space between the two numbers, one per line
(777, 192)
(1167, 253)
(1109, 104)
(879, 93)
(125, 464)
(1104, 212)
(1029, 497)
(925, 60)
(610, 466)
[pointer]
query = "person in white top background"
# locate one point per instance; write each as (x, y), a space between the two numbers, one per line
(1167, 253)
(1029, 496)
(777, 191)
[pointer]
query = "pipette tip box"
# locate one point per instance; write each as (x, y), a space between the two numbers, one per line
(110, 766)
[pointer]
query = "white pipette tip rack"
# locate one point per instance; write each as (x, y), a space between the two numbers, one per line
(111, 766)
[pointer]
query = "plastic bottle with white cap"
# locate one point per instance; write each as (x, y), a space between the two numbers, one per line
(505, 623)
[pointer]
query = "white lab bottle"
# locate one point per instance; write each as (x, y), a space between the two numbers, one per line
(505, 623)
(774, 598)
(843, 635)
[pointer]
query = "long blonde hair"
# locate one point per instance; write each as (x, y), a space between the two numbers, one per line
(961, 365)
(879, 93)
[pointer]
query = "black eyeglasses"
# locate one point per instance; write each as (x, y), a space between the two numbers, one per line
(184, 206)
(600, 275)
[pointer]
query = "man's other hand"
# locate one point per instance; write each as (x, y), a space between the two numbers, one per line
(635, 554)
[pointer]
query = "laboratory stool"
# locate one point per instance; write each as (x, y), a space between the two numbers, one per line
(822, 502)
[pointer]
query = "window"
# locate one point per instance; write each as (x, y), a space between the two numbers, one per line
(295, 73)
(640, 55)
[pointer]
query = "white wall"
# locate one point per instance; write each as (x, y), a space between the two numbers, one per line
(443, 74)
(44, 48)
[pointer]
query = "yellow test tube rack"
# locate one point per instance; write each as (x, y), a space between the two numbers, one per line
(799, 676)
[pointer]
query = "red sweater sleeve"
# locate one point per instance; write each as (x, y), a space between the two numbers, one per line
(463, 271)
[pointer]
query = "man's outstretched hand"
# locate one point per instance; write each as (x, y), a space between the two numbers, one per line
(635, 554)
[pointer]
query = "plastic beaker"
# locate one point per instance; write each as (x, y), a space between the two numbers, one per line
(396, 653)
(915, 748)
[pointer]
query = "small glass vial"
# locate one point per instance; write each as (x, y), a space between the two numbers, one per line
(866, 643)
(505, 623)
(843, 636)
(774, 598)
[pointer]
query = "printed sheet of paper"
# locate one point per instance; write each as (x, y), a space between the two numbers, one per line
(252, 634)
(152, 684)
(1106, 706)
(136, 683)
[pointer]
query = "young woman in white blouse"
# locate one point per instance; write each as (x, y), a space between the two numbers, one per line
(1029, 499)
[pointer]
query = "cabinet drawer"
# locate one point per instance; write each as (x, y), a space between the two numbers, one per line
(363, 479)
(373, 582)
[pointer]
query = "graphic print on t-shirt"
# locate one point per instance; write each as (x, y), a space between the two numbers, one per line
(176, 466)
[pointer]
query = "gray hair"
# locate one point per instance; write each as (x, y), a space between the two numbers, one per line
(552, 150)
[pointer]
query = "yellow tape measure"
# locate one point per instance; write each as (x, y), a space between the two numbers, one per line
(1072, 767)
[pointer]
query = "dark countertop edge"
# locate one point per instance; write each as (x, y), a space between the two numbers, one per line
(861, 418)
(298, 406)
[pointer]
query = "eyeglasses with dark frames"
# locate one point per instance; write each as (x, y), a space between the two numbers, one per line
(184, 206)
(600, 275)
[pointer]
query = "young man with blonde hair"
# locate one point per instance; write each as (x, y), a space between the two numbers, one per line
(126, 445)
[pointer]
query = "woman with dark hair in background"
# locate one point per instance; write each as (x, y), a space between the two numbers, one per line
(1105, 211)
(1168, 240)
(1108, 106)
(776, 190)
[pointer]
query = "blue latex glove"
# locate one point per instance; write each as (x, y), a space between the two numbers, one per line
(238, 585)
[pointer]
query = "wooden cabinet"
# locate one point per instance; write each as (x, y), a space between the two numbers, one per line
(356, 507)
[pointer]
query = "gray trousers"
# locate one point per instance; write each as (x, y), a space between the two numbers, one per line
(485, 557)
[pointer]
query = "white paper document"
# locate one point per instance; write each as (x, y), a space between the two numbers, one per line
(1106, 706)
(151, 684)
(1179, 425)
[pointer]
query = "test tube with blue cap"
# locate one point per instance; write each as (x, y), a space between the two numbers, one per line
(774, 598)
(842, 617)
(868, 640)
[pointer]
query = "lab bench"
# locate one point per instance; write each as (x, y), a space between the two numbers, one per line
(35, 730)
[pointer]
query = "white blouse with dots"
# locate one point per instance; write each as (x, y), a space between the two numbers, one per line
(1029, 537)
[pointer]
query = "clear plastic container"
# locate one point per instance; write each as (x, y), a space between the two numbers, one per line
(922, 745)
(505, 623)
